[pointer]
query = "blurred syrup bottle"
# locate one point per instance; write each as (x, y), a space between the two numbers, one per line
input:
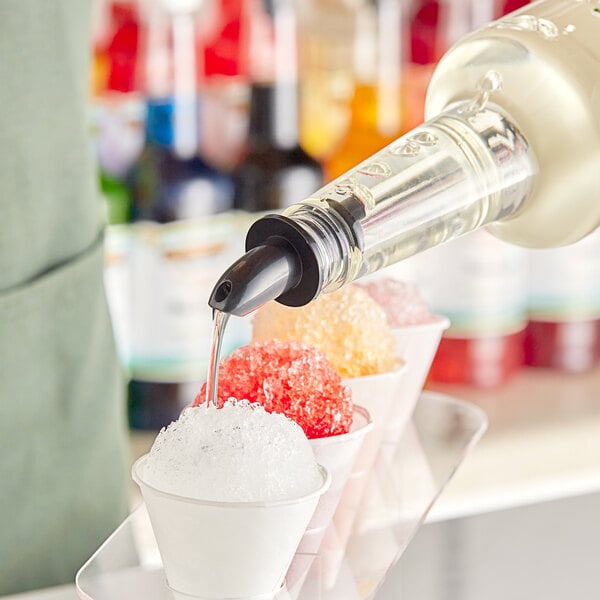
(182, 230)
(427, 44)
(508, 6)
(375, 108)
(434, 25)
(479, 283)
(563, 331)
(225, 86)
(117, 105)
(116, 32)
(276, 171)
(170, 181)
(326, 41)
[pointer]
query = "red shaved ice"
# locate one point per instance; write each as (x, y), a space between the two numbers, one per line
(290, 378)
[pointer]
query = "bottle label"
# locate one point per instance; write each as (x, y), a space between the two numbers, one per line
(159, 121)
(173, 269)
(478, 282)
(564, 283)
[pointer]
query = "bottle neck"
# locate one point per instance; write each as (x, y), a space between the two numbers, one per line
(273, 118)
(466, 168)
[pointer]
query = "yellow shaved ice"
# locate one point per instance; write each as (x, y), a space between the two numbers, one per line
(347, 325)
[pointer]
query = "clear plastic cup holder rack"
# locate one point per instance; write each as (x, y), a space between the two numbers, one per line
(405, 481)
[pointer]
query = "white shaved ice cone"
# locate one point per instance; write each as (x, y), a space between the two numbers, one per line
(337, 454)
(372, 546)
(416, 345)
(398, 494)
(375, 393)
(213, 550)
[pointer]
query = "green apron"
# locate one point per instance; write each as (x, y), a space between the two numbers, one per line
(63, 480)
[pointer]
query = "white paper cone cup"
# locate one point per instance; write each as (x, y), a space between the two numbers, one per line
(335, 573)
(373, 546)
(376, 394)
(302, 561)
(370, 556)
(338, 454)
(416, 345)
(349, 505)
(380, 506)
(343, 586)
(226, 550)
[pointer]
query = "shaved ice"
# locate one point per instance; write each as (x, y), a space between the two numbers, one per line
(347, 325)
(238, 453)
(401, 300)
(289, 378)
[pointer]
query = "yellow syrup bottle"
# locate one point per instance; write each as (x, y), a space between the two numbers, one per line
(375, 108)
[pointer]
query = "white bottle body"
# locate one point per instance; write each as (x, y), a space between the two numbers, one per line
(548, 58)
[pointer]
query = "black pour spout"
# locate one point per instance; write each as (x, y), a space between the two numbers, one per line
(281, 263)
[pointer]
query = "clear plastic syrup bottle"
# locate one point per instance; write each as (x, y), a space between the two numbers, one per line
(512, 142)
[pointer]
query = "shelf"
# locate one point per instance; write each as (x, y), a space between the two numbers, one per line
(543, 443)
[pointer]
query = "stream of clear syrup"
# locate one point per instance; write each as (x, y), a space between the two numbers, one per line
(212, 380)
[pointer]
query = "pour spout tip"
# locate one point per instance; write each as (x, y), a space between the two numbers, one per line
(262, 274)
